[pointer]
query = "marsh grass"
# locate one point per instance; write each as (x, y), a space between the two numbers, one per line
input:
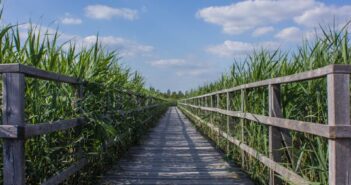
(49, 101)
(305, 101)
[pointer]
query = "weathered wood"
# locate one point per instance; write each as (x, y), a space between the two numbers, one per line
(211, 115)
(275, 139)
(313, 74)
(339, 114)
(242, 122)
(13, 114)
(337, 131)
(318, 129)
(218, 99)
(46, 128)
(286, 174)
(60, 177)
(155, 161)
(11, 131)
(228, 120)
(37, 73)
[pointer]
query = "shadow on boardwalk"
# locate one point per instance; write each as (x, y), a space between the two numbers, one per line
(174, 152)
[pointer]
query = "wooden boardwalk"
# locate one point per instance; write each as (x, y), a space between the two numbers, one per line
(174, 152)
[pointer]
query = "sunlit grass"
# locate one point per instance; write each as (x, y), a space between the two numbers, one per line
(49, 101)
(305, 101)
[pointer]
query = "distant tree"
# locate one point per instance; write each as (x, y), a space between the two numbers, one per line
(168, 92)
(180, 94)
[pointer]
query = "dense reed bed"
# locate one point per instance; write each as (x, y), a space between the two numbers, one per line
(305, 101)
(106, 90)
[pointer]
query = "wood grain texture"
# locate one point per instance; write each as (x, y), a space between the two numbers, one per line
(327, 131)
(339, 115)
(13, 114)
(174, 153)
(46, 128)
(308, 75)
(37, 73)
(11, 131)
(275, 139)
(287, 174)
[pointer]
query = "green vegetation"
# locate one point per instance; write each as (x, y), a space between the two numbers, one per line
(305, 101)
(49, 101)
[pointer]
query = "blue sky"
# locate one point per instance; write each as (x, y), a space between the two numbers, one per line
(182, 44)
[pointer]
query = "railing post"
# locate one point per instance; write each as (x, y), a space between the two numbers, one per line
(197, 104)
(242, 122)
(228, 122)
(217, 114)
(275, 138)
(211, 114)
(13, 114)
(339, 114)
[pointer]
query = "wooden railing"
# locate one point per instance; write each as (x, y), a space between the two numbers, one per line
(337, 130)
(15, 131)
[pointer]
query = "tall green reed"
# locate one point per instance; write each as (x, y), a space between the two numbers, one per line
(301, 101)
(47, 101)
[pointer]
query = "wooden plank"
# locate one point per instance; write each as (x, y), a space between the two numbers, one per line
(218, 99)
(339, 114)
(308, 75)
(228, 121)
(211, 115)
(287, 174)
(243, 99)
(327, 131)
(275, 139)
(65, 174)
(129, 181)
(13, 114)
(37, 73)
(46, 128)
(11, 131)
(46, 75)
(163, 163)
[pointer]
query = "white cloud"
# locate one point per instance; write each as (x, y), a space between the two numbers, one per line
(246, 15)
(183, 67)
(262, 31)
(293, 34)
(324, 15)
(107, 12)
(71, 20)
(237, 48)
(194, 72)
(168, 62)
(124, 46)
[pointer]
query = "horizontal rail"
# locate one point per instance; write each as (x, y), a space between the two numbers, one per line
(29, 130)
(46, 128)
(15, 131)
(63, 175)
(37, 73)
(278, 168)
(313, 74)
(327, 131)
(11, 131)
